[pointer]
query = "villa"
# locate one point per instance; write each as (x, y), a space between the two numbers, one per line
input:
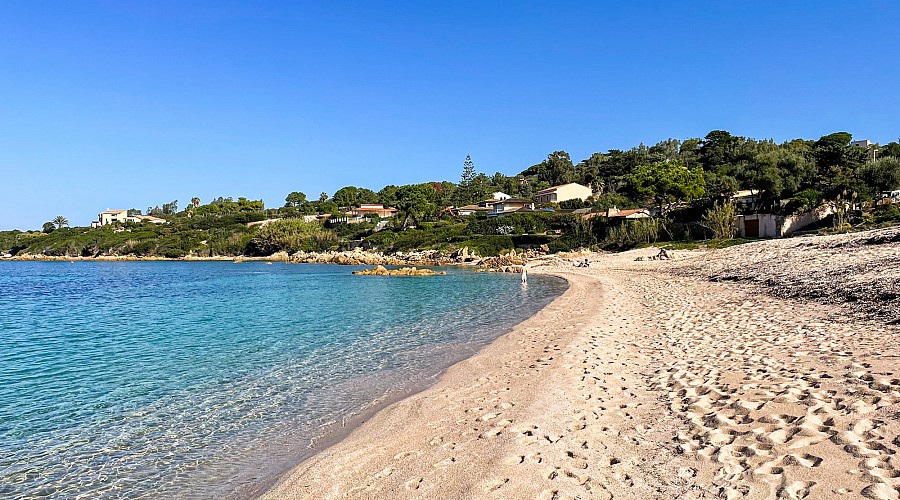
(370, 209)
(510, 205)
(564, 192)
(121, 216)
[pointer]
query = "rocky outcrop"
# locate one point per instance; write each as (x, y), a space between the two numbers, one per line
(359, 257)
(511, 262)
(404, 271)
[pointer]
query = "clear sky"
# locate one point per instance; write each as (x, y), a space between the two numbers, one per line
(109, 104)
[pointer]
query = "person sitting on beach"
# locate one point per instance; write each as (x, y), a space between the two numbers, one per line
(586, 263)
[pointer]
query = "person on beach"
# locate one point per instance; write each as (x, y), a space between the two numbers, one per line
(524, 275)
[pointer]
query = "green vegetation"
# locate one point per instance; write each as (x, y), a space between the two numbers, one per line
(291, 235)
(688, 183)
(720, 219)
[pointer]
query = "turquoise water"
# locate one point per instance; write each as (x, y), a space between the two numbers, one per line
(200, 379)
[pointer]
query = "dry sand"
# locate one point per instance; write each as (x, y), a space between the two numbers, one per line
(647, 380)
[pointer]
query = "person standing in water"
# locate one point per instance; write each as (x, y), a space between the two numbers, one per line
(524, 275)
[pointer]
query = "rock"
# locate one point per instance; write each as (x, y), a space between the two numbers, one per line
(404, 271)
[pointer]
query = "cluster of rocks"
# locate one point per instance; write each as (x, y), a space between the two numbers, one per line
(511, 262)
(404, 271)
(860, 270)
(359, 257)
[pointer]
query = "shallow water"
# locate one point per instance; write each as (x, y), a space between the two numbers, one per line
(191, 379)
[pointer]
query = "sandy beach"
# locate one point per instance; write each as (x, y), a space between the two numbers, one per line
(719, 374)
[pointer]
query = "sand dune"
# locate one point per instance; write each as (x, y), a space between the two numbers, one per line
(640, 383)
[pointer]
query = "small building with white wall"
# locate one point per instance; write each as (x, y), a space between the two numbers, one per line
(778, 226)
(563, 192)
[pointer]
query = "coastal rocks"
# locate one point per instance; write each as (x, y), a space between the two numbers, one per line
(511, 262)
(464, 255)
(359, 257)
(404, 271)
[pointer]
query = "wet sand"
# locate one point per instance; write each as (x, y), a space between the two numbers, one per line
(649, 380)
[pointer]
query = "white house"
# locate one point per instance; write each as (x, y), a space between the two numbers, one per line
(564, 192)
(121, 216)
(509, 205)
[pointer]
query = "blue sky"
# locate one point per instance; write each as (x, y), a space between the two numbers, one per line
(107, 104)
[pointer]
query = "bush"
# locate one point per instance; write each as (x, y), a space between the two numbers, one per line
(721, 219)
(804, 200)
(520, 223)
(291, 235)
(634, 232)
(886, 214)
(489, 245)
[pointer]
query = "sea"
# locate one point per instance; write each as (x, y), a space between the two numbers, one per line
(210, 379)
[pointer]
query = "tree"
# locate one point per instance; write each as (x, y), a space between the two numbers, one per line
(665, 150)
(60, 221)
(837, 163)
(329, 207)
(718, 148)
(667, 183)
(890, 149)
(346, 196)
(559, 168)
(323, 196)
(464, 192)
(412, 202)
(364, 195)
(294, 199)
(48, 227)
(195, 201)
(170, 208)
(388, 195)
(883, 175)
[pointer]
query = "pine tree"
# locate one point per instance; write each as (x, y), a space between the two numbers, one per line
(465, 182)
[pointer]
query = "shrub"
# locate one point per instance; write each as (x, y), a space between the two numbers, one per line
(290, 235)
(489, 245)
(721, 219)
(804, 200)
(634, 232)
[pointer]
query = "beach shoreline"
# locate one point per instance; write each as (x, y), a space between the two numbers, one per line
(641, 381)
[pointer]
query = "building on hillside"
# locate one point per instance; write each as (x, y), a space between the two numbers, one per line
(146, 218)
(778, 226)
(472, 209)
(121, 216)
(613, 214)
(746, 200)
(509, 205)
(564, 192)
(110, 217)
(499, 195)
(363, 212)
(370, 209)
(869, 146)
